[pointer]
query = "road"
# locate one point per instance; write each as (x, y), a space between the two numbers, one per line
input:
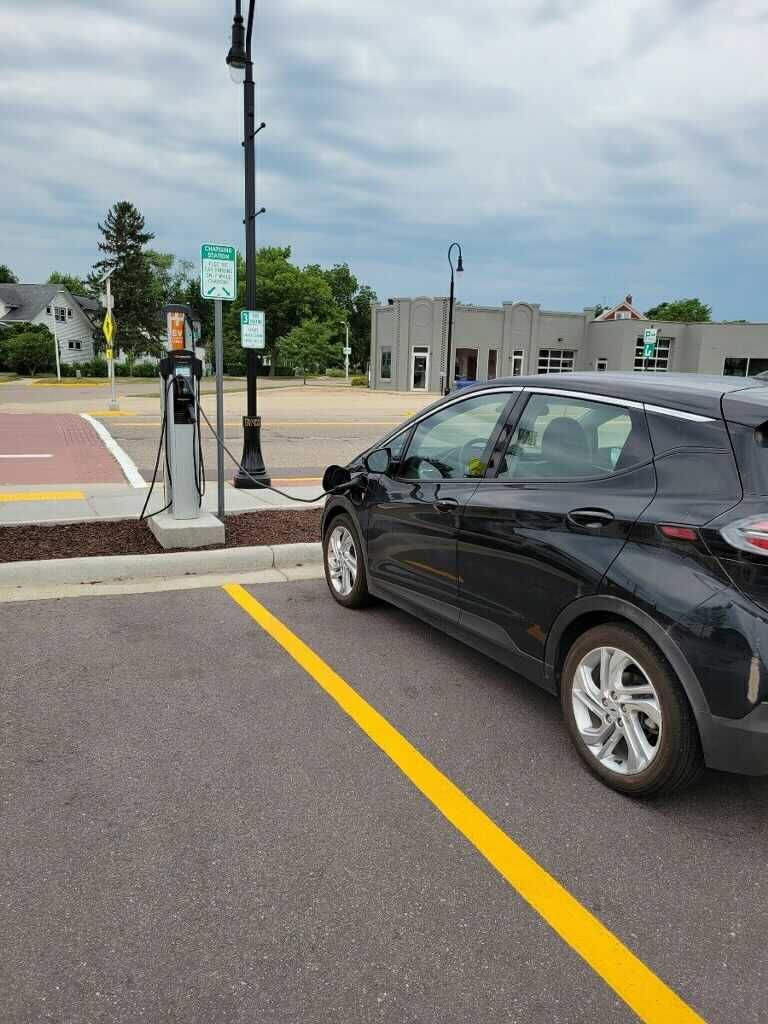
(304, 429)
(194, 830)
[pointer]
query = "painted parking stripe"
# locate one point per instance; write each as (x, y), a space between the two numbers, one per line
(36, 456)
(42, 496)
(128, 466)
(642, 990)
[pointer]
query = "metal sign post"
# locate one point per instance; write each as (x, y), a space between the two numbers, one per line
(218, 281)
(109, 331)
(218, 354)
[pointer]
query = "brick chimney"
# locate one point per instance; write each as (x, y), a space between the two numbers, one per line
(628, 299)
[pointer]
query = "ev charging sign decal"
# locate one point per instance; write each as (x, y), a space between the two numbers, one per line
(218, 272)
(252, 328)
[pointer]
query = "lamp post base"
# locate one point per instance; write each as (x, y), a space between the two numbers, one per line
(252, 460)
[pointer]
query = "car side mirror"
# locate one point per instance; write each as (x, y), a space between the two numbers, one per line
(378, 461)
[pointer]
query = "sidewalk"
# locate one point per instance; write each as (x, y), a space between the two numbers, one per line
(72, 504)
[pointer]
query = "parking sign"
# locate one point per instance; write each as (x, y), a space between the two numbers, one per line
(252, 328)
(218, 271)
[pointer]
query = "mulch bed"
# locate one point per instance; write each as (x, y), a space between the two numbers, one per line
(129, 537)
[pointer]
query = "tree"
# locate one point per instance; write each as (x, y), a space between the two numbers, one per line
(30, 352)
(354, 300)
(308, 347)
(685, 311)
(139, 325)
(74, 285)
(287, 294)
(7, 276)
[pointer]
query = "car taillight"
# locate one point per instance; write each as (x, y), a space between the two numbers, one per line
(748, 534)
(678, 532)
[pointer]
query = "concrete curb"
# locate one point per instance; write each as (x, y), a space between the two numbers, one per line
(114, 568)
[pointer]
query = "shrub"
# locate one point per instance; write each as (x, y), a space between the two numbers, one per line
(334, 372)
(359, 382)
(31, 352)
(96, 367)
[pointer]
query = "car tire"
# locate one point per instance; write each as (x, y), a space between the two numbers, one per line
(634, 728)
(344, 563)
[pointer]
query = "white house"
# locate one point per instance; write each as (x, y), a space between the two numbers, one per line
(68, 317)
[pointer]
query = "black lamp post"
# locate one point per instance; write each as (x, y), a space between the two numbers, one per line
(459, 270)
(241, 69)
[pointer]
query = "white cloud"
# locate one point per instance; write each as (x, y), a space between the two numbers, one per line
(592, 128)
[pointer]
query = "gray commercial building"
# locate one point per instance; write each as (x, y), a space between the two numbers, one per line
(409, 343)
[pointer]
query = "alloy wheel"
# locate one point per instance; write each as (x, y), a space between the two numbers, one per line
(617, 710)
(342, 561)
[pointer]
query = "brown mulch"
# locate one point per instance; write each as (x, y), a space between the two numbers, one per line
(129, 537)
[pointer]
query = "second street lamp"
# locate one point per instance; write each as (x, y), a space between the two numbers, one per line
(252, 471)
(459, 270)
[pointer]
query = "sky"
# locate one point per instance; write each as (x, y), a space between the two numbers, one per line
(579, 150)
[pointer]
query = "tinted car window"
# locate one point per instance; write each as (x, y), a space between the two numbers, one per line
(450, 443)
(572, 438)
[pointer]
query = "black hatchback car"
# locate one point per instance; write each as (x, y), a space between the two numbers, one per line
(605, 535)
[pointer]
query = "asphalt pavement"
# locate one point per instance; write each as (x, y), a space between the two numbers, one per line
(194, 831)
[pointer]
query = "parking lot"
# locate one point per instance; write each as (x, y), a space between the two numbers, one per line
(304, 428)
(202, 824)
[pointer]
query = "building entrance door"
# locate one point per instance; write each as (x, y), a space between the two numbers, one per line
(420, 369)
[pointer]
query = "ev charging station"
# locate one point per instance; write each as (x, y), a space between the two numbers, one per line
(181, 523)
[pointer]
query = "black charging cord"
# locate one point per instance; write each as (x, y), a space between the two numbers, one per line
(268, 487)
(166, 468)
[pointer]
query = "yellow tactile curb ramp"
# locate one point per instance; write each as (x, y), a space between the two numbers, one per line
(42, 496)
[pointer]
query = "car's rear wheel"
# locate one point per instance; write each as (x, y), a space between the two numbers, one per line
(344, 563)
(627, 713)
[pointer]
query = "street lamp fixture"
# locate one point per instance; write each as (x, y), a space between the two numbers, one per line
(252, 472)
(459, 269)
(237, 58)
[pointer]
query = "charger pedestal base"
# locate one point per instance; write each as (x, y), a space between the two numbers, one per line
(186, 533)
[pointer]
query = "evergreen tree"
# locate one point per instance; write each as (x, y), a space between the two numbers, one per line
(7, 276)
(139, 325)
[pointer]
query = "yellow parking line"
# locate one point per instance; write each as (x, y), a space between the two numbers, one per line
(642, 990)
(110, 412)
(42, 496)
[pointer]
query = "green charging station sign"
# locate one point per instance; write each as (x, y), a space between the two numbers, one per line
(218, 272)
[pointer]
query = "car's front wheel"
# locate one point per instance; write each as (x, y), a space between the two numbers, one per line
(627, 713)
(344, 564)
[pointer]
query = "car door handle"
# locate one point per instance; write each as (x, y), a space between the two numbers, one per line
(590, 518)
(445, 504)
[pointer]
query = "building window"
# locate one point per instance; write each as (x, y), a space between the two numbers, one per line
(386, 364)
(744, 366)
(75, 345)
(69, 312)
(659, 361)
(601, 364)
(492, 364)
(517, 362)
(48, 310)
(60, 314)
(623, 314)
(556, 360)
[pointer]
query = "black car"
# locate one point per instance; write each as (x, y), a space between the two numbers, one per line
(605, 535)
